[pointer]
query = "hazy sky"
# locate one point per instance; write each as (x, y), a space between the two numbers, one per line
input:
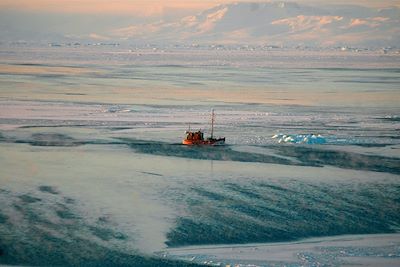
(48, 20)
(147, 7)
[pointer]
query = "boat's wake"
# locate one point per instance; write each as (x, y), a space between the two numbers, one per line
(277, 154)
(297, 155)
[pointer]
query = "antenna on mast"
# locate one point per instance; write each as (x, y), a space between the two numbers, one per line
(212, 123)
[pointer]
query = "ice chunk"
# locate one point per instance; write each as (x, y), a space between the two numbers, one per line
(300, 138)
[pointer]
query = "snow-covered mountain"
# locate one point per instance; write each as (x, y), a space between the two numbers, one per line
(280, 23)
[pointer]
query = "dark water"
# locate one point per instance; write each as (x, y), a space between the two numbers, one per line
(36, 240)
(283, 211)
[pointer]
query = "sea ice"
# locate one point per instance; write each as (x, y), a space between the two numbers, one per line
(300, 138)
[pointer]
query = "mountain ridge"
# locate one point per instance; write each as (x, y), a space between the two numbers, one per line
(274, 22)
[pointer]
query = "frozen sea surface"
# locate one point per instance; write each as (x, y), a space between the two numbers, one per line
(93, 172)
(363, 250)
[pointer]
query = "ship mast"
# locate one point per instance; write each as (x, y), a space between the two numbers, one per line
(212, 123)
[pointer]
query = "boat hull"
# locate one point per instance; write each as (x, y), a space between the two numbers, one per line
(207, 142)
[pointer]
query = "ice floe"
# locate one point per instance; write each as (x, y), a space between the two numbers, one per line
(300, 138)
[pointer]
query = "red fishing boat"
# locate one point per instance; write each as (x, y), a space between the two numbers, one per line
(197, 138)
